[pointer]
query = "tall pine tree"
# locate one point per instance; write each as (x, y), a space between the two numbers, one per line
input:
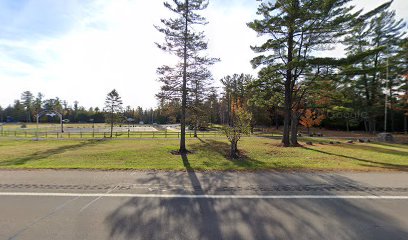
(184, 41)
(27, 99)
(199, 88)
(296, 29)
(380, 33)
(113, 107)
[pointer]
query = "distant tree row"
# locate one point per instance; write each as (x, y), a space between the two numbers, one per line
(29, 105)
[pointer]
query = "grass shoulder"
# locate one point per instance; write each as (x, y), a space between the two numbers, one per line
(258, 153)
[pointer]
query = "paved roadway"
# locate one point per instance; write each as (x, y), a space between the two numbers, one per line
(48, 204)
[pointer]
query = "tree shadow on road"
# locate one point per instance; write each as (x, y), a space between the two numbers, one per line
(186, 218)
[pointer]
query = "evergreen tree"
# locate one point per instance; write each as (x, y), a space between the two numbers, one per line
(382, 32)
(183, 41)
(266, 93)
(113, 107)
(402, 76)
(76, 107)
(199, 88)
(27, 99)
(212, 106)
(235, 92)
(38, 102)
(18, 112)
(296, 30)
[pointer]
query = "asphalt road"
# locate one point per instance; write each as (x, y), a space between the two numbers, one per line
(47, 204)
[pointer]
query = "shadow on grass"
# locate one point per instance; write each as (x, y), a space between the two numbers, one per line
(223, 149)
(47, 153)
(374, 148)
(368, 162)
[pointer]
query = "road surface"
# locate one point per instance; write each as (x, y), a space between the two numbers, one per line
(48, 204)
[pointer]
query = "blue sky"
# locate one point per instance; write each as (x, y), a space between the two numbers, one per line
(81, 49)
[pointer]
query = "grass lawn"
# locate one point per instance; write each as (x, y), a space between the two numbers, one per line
(210, 154)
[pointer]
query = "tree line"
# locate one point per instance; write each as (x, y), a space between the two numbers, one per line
(29, 105)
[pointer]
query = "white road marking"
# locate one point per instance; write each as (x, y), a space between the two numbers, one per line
(96, 199)
(136, 195)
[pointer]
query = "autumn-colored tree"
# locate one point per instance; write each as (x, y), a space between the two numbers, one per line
(311, 118)
(240, 125)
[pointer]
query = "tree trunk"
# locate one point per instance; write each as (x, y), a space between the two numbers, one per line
(183, 148)
(374, 126)
(365, 125)
(271, 116)
(195, 129)
(28, 116)
(234, 149)
(196, 112)
(392, 113)
(111, 122)
(111, 131)
(392, 116)
(288, 93)
(294, 130)
(286, 124)
(229, 101)
(347, 125)
(371, 124)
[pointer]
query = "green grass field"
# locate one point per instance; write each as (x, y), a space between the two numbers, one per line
(210, 154)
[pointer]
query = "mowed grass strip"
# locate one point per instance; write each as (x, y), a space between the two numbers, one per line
(210, 154)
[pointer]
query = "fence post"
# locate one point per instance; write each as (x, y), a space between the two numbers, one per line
(128, 133)
(69, 135)
(178, 135)
(80, 134)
